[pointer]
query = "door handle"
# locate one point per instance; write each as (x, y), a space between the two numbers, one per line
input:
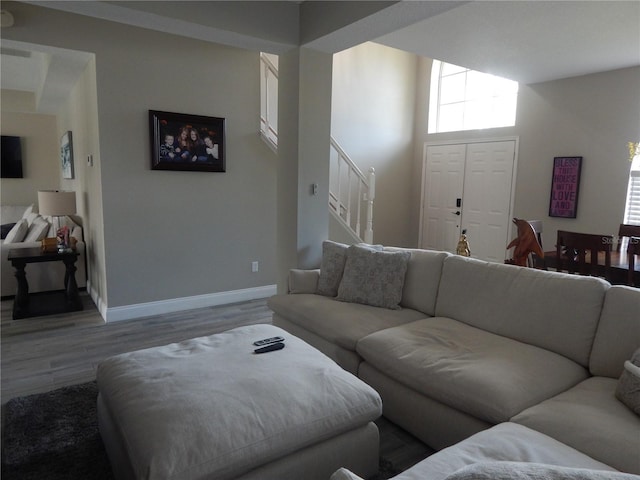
(456, 213)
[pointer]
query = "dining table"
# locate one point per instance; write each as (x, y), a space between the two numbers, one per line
(618, 271)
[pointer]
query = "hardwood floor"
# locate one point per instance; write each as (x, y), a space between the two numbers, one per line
(44, 353)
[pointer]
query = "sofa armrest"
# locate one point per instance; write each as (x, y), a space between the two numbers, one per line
(303, 281)
(76, 232)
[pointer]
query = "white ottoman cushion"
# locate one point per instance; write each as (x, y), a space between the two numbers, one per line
(211, 407)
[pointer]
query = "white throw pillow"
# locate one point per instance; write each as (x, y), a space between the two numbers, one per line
(37, 230)
(18, 232)
(30, 214)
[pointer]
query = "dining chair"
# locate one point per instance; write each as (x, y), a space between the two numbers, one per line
(572, 249)
(633, 249)
(534, 261)
(626, 231)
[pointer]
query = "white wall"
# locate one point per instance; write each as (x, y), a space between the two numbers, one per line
(372, 118)
(170, 235)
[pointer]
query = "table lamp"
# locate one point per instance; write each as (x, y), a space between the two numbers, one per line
(56, 203)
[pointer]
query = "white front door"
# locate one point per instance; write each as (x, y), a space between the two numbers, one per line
(483, 173)
(443, 181)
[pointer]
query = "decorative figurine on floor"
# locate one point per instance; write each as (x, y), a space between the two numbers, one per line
(463, 245)
(526, 242)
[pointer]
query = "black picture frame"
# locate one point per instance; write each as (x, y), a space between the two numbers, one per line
(203, 149)
(565, 186)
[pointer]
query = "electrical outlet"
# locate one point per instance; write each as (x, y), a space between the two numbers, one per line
(255, 266)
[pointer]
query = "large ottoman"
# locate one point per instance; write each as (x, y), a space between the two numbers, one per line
(209, 408)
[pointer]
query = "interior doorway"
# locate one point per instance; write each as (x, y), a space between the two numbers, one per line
(468, 186)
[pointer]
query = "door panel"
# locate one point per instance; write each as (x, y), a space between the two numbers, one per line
(442, 186)
(487, 198)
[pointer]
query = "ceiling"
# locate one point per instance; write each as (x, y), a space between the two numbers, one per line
(528, 40)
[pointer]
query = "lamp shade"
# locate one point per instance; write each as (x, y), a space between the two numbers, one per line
(55, 202)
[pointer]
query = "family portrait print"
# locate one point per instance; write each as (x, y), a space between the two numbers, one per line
(186, 142)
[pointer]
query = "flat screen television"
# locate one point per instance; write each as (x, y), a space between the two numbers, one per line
(11, 157)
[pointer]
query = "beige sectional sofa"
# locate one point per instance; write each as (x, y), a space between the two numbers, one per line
(45, 276)
(473, 344)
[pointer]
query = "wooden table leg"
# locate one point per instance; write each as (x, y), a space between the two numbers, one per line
(70, 285)
(21, 302)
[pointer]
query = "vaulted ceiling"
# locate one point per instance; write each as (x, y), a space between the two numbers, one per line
(528, 41)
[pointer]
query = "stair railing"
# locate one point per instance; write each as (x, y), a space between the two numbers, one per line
(351, 194)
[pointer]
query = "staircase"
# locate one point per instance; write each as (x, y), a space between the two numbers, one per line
(351, 192)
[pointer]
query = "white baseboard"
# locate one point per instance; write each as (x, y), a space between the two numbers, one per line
(128, 312)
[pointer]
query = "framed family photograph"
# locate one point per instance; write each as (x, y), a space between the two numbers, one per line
(185, 142)
(66, 155)
(565, 185)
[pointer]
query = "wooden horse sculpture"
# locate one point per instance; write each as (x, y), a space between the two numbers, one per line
(525, 243)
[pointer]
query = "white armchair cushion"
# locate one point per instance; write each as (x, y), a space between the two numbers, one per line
(18, 232)
(37, 230)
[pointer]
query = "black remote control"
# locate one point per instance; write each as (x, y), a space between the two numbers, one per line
(266, 341)
(270, 348)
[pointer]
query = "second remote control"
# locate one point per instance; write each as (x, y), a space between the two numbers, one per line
(270, 348)
(266, 341)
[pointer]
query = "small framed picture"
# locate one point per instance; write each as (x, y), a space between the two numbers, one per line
(66, 155)
(565, 185)
(187, 142)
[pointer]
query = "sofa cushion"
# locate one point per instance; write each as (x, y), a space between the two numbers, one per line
(613, 343)
(480, 373)
(18, 232)
(338, 322)
(334, 255)
(504, 442)
(303, 281)
(628, 388)
(5, 229)
(373, 277)
(37, 231)
(554, 311)
(422, 279)
(589, 418)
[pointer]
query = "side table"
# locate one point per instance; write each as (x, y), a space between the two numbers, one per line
(47, 303)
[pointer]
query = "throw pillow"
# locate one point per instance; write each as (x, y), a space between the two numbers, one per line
(30, 214)
(18, 232)
(628, 388)
(37, 231)
(373, 277)
(5, 229)
(334, 256)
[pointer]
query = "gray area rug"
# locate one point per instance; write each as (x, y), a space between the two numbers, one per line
(54, 436)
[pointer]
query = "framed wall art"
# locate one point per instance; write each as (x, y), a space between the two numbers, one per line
(187, 142)
(66, 155)
(565, 185)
